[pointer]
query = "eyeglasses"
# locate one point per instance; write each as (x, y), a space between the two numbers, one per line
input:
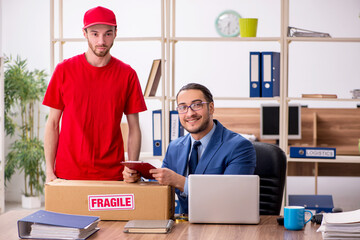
(195, 107)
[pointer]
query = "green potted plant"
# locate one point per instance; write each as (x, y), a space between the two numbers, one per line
(23, 90)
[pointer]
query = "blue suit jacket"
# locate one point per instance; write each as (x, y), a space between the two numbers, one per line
(226, 153)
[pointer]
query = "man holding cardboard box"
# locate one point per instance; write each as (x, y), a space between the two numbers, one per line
(90, 92)
(210, 148)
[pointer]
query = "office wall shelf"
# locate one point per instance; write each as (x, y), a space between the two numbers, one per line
(169, 40)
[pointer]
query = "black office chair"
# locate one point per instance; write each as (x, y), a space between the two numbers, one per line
(271, 168)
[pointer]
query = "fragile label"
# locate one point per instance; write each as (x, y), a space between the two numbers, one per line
(111, 202)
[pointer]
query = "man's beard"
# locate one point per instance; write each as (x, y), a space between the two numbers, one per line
(201, 128)
(100, 54)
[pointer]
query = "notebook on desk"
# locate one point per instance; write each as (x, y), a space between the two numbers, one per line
(224, 199)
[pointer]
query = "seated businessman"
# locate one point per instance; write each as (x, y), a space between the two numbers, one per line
(209, 148)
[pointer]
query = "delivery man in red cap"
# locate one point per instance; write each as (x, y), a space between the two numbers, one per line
(90, 92)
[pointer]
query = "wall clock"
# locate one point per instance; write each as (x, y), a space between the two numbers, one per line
(227, 24)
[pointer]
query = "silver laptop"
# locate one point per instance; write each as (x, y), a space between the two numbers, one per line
(230, 199)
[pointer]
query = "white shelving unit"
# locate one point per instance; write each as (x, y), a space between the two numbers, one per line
(169, 40)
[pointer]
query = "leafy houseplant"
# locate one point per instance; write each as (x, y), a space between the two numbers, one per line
(23, 90)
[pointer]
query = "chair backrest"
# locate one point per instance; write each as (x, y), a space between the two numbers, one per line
(271, 168)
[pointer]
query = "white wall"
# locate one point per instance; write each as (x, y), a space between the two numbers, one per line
(2, 155)
(313, 67)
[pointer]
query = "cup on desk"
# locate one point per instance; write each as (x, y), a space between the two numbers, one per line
(294, 217)
(248, 27)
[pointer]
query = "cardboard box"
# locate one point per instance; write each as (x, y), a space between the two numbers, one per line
(110, 200)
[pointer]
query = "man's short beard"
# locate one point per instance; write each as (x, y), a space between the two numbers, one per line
(93, 49)
(202, 127)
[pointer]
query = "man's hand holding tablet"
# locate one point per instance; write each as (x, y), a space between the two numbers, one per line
(135, 169)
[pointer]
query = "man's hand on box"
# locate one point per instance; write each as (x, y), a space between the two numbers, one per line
(130, 175)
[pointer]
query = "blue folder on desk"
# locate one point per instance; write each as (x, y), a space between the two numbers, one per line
(61, 220)
(320, 203)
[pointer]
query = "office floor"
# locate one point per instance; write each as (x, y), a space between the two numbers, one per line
(15, 205)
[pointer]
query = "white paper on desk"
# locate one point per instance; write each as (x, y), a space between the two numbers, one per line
(347, 227)
(340, 234)
(342, 217)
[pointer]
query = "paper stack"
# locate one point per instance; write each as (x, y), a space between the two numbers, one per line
(344, 225)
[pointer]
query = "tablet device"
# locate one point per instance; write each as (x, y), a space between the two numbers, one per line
(140, 166)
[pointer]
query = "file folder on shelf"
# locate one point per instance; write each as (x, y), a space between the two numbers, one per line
(270, 86)
(176, 129)
(255, 74)
(312, 152)
(157, 133)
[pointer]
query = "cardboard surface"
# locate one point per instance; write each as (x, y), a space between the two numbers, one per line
(110, 200)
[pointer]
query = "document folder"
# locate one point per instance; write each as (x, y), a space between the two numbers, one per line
(320, 203)
(176, 129)
(312, 152)
(270, 86)
(51, 225)
(255, 74)
(157, 133)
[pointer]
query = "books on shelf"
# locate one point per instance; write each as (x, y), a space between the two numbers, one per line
(319, 96)
(342, 225)
(298, 32)
(149, 226)
(51, 225)
(154, 79)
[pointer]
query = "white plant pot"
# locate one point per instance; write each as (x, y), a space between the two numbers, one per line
(31, 202)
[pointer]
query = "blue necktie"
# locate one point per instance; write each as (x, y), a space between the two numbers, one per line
(193, 161)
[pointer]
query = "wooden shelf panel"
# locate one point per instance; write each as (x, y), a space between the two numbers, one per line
(335, 127)
(324, 169)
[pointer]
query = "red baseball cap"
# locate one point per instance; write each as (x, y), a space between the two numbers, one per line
(99, 15)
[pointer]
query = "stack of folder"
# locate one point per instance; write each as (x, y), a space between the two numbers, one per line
(264, 74)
